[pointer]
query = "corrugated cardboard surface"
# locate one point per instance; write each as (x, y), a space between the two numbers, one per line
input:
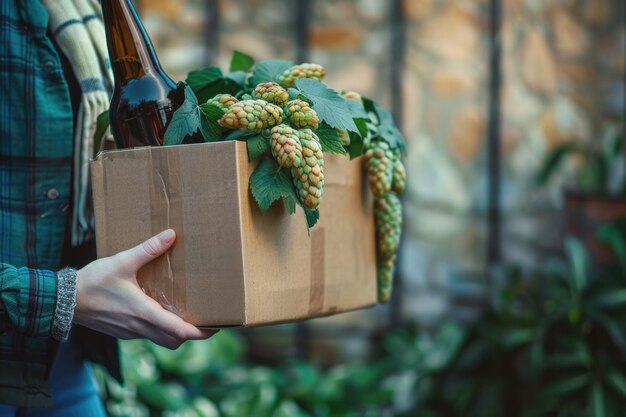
(231, 264)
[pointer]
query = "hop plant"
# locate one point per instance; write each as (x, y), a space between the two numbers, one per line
(379, 167)
(388, 220)
(288, 78)
(223, 101)
(272, 93)
(385, 271)
(286, 147)
(309, 174)
(353, 95)
(251, 115)
(301, 115)
(398, 178)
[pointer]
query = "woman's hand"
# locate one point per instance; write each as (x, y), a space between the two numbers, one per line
(109, 300)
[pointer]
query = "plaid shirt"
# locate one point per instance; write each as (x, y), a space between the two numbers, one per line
(35, 173)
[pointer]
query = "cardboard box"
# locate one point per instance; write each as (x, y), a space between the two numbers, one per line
(233, 265)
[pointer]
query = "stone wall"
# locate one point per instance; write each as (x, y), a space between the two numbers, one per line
(563, 79)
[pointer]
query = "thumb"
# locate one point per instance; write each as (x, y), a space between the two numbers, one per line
(149, 250)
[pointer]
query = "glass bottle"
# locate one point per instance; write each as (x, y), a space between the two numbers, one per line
(144, 97)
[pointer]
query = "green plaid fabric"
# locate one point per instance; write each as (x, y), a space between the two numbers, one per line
(35, 172)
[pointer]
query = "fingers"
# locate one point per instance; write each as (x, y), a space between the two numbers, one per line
(169, 330)
(149, 250)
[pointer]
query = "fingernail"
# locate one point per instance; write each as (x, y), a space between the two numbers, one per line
(166, 236)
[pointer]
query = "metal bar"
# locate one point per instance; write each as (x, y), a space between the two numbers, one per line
(396, 72)
(493, 136)
(302, 27)
(301, 32)
(212, 31)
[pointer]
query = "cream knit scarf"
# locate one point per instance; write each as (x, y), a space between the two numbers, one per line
(78, 29)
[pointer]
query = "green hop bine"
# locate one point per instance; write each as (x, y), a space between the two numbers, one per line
(272, 93)
(384, 272)
(251, 115)
(379, 159)
(388, 221)
(301, 115)
(308, 176)
(285, 145)
(223, 101)
(398, 178)
(289, 77)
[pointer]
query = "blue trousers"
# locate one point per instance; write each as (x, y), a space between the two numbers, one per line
(73, 389)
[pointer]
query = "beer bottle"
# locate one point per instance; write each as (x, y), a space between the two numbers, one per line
(144, 97)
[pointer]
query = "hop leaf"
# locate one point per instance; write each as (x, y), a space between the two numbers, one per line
(252, 115)
(289, 76)
(272, 93)
(286, 147)
(309, 175)
(301, 115)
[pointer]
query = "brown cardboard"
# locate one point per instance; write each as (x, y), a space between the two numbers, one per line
(233, 265)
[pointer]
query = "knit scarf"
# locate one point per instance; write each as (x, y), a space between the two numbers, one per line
(78, 29)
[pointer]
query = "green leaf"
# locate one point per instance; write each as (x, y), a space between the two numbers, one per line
(361, 124)
(568, 385)
(240, 134)
(241, 62)
(356, 145)
(614, 298)
(331, 108)
(554, 161)
(597, 396)
(266, 71)
(102, 124)
(257, 145)
(238, 76)
(578, 262)
(312, 216)
(209, 82)
(199, 79)
(185, 121)
(330, 140)
(212, 113)
(269, 183)
(388, 129)
(610, 234)
(617, 381)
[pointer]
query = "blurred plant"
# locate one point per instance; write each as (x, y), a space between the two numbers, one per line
(551, 342)
(602, 168)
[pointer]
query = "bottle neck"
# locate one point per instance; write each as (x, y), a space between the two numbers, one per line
(130, 49)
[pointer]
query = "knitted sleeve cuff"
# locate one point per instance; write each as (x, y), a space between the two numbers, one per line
(66, 301)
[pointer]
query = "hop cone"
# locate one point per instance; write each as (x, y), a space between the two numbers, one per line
(388, 219)
(251, 115)
(379, 168)
(286, 146)
(288, 78)
(301, 115)
(309, 175)
(344, 136)
(353, 95)
(224, 101)
(398, 178)
(272, 93)
(385, 272)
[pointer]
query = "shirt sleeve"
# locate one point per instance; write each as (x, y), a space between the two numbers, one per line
(28, 299)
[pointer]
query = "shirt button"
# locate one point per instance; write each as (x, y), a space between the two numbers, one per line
(48, 66)
(52, 194)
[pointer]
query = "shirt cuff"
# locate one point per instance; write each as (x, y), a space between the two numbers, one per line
(66, 302)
